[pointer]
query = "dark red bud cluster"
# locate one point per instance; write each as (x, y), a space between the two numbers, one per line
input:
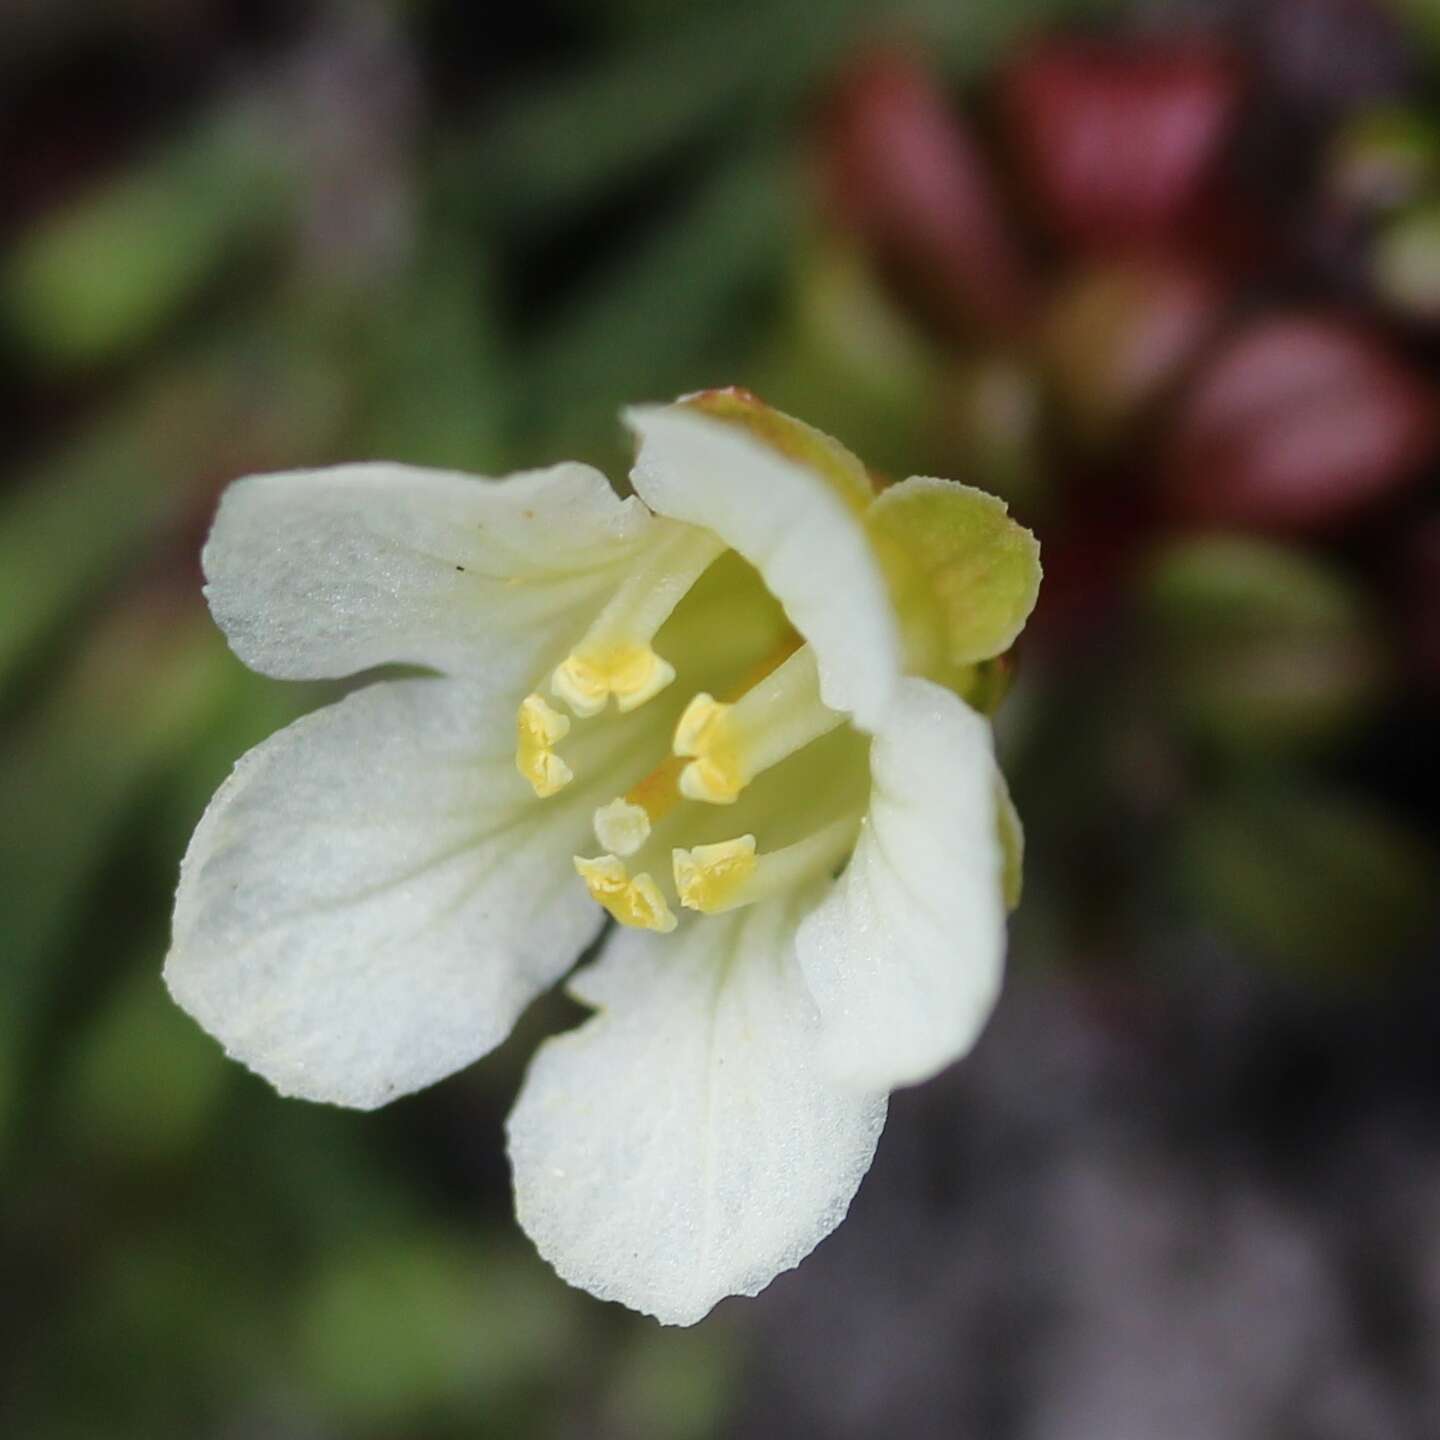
(1290, 422)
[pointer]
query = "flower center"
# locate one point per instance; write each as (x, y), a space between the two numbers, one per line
(658, 836)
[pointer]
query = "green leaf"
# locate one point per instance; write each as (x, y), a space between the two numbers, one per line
(148, 681)
(845, 358)
(1316, 881)
(410, 1322)
(141, 1082)
(669, 315)
(138, 472)
(676, 1383)
(1262, 647)
(1407, 262)
(434, 385)
(1425, 17)
(99, 277)
(578, 135)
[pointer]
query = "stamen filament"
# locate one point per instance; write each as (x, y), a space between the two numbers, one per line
(729, 745)
(715, 878)
(614, 657)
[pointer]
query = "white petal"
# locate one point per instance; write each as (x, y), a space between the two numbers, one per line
(806, 541)
(905, 955)
(375, 894)
(318, 573)
(683, 1145)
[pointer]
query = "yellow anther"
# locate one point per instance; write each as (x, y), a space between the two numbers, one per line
(615, 656)
(732, 744)
(704, 732)
(633, 901)
(587, 679)
(622, 826)
(716, 878)
(539, 727)
(697, 726)
(711, 878)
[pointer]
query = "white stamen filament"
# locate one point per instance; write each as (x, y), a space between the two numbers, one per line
(717, 878)
(732, 744)
(615, 657)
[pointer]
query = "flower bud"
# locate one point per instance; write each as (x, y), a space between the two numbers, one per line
(904, 172)
(1296, 424)
(992, 420)
(846, 356)
(1118, 335)
(1261, 647)
(1407, 264)
(108, 271)
(1118, 143)
(1383, 159)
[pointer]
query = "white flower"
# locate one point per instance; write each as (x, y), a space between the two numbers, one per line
(377, 892)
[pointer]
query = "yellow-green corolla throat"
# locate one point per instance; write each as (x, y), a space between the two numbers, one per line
(724, 773)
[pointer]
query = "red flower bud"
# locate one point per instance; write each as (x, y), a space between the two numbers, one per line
(1298, 423)
(904, 172)
(1119, 144)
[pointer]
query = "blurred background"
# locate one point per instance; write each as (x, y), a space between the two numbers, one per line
(1166, 276)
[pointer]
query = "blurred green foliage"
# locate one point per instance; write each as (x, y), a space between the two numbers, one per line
(1320, 882)
(1261, 647)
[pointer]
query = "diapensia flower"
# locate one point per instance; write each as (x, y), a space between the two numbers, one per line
(697, 706)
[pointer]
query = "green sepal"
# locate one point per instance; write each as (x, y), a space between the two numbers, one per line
(983, 687)
(1012, 843)
(964, 576)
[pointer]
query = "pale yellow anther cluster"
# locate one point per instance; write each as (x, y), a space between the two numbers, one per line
(717, 749)
(705, 736)
(632, 673)
(632, 900)
(711, 878)
(539, 727)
